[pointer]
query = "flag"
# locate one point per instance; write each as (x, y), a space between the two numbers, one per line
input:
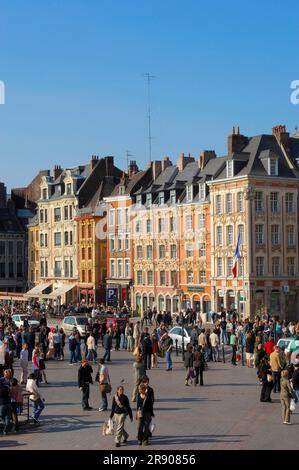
(237, 255)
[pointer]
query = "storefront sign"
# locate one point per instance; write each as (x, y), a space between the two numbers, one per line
(111, 295)
(195, 289)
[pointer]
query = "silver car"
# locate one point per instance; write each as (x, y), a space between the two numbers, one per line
(176, 334)
(74, 321)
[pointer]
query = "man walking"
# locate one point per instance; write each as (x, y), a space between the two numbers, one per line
(214, 340)
(276, 368)
(107, 343)
(146, 345)
(84, 380)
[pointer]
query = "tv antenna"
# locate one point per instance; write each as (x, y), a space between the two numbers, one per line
(149, 77)
(128, 154)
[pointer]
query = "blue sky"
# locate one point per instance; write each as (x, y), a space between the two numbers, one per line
(73, 71)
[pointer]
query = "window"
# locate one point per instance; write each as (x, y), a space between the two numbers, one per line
(112, 244)
(2, 248)
(19, 249)
(259, 201)
(120, 268)
(228, 204)
(189, 193)
(274, 202)
(46, 268)
(89, 276)
(218, 204)
(139, 200)
(174, 278)
(273, 167)
(150, 278)
(229, 235)
(148, 199)
(57, 214)
(83, 253)
(69, 188)
(229, 266)
(148, 226)
(240, 202)
(202, 277)
(66, 238)
(66, 212)
(162, 278)
(241, 266)
(46, 216)
(126, 216)
(172, 224)
(10, 248)
(160, 225)
(57, 268)
(71, 212)
(42, 268)
(118, 217)
(126, 242)
(189, 250)
(44, 193)
(219, 267)
(219, 235)
(119, 243)
(172, 197)
(173, 252)
(127, 268)
(139, 252)
(202, 249)
(291, 266)
(138, 226)
(161, 199)
(259, 234)
(275, 266)
(41, 216)
(83, 231)
(71, 238)
(2, 270)
(275, 234)
(83, 275)
(290, 235)
(289, 203)
(189, 277)
(71, 267)
(259, 266)
(111, 217)
(66, 268)
(229, 168)
(202, 191)
(41, 240)
(112, 268)
(149, 251)
(189, 222)
(139, 277)
(57, 239)
(241, 234)
(89, 253)
(161, 251)
(201, 221)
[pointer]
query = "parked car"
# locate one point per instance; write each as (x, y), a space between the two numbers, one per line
(176, 334)
(293, 348)
(18, 320)
(283, 343)
(74, 321)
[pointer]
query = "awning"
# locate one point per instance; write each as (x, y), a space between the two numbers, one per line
(61, 290)
(37, 291)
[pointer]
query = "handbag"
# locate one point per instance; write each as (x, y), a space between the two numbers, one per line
(106, 388)
(292, 404)
(139, 414)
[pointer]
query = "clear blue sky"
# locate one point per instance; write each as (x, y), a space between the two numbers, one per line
(74, 85)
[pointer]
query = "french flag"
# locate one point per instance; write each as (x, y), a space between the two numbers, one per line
(237, 255)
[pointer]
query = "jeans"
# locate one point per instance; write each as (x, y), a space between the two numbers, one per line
(147, 361)
(223, 337)
(143, 427)
(168, 360)
(85, 396)
(57, 350)
(122, 341)
(198, 373)
(107, 355)
(73, 357)
(5, 414)
(215, 353)
(38, 406)
(104, 400)
(276, 381)
(92, 355)
(234, 350)
(78, 353)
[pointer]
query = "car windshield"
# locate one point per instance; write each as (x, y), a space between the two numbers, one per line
(82, 321)
(188, 329)
(30, 317)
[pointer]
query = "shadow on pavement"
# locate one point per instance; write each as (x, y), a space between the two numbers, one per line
(56, 423)
(10, 444)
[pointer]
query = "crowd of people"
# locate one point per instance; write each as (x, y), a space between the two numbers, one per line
(252, 343)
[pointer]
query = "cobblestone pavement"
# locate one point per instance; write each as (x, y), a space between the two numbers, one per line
(224, 414)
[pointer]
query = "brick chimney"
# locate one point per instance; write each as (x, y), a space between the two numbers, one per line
(282, 136)
(166, 162)
(133, 168)
(236, 141)
(182, 161)
(93, 162)
(156, 168)
(57, 171)
(204, 157)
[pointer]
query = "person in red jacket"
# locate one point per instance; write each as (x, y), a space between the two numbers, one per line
(269, 346)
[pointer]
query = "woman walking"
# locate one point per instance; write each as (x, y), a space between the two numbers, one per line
(24, 363)
(145, 412)
(120, 409)
(155, 348)
(129, 336)
(188, 363)
(199, 365)
(139, 371)
(286, 393)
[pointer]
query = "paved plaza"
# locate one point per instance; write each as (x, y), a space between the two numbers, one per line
(224, 414)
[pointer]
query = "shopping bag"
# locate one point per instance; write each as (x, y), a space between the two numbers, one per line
(292, 405)
(152, 427)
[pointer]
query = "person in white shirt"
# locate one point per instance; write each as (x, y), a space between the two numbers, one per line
(35, 397)
(24, 363)
(91, 349)
(214, 340)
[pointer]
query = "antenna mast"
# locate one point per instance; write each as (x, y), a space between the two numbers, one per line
(149, 78)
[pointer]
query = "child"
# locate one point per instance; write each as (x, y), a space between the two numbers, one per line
(43, 367)
(16, 402)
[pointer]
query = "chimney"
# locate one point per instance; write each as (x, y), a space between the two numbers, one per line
(182, 161)
(166, 162)
(156, 168)
(204, 157)
(57, 171)
(3, 197)
(236, 142)
(282, 136)
(133, 168)
(93, 162)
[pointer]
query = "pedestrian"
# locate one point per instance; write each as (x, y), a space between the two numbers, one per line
(91, 348)
(168, 346)
(139, 371)
(42, 366)
(16, 402)
(249, 349)
(104, 382)
(199, 365)
(120, 409)
(265, 376)
(214, 340)
(188, 363)
(72, 349)
(136, 334)
(145, 412)
(24, 363)
(295, 379)
(84, 380)
(5, 405)
(129, 336)
(286, 393)
(50, 353)
(57, 344)
(146, 346)
(150, 393)
(31, 343)
(63, 337)
(36, 366)
(202, 341)
(35, 397)
(276, 367)
(233, 344)
(107, 343)
(155, 348)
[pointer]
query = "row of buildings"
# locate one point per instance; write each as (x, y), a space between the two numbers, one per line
(166, 236)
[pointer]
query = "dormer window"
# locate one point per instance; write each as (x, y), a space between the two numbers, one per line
(202, 191)
(59, 190)
(148, 199)
(172, 197)
(229, 168)
(68, 188)
(44, 193)
(161, 199)
(189, 193)
(273, 167)
(139, 200)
